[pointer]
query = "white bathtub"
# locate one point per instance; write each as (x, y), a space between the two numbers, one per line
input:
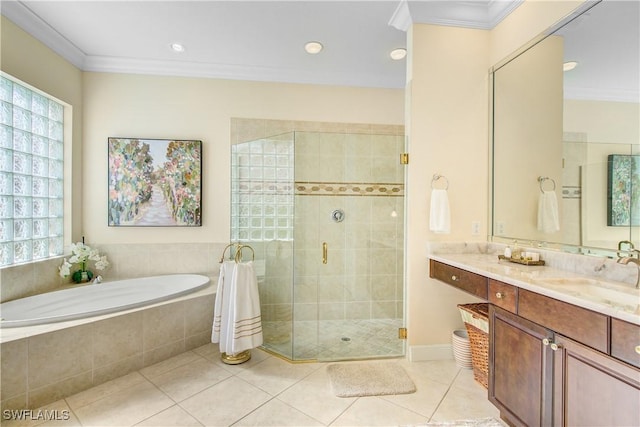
(96, 299)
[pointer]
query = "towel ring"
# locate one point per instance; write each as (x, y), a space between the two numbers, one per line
(230, 245)
(238, 257)
(542, 179)
(436, 177)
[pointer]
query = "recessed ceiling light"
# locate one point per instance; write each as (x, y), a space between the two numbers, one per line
(398, 54)
(570, 65)
(177, 47)
(313, 47)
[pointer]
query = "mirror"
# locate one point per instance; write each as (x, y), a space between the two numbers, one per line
(566, 143)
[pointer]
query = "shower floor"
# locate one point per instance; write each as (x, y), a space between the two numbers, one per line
(328, 340)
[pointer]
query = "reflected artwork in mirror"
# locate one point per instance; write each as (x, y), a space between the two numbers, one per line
(623, 195)
(564, 124)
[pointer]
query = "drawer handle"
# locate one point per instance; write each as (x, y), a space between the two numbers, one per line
(499, 295)
(638, 349)
(454, 278)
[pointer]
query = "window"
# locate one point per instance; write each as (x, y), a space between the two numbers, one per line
(31, 174)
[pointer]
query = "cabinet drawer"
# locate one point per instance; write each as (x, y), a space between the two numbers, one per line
(503, 295)
(461, 279)
(580, 324)
(625, 341)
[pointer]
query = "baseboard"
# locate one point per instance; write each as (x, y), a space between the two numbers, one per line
(418, 353)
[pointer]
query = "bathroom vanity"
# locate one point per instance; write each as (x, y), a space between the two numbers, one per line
(563, 349)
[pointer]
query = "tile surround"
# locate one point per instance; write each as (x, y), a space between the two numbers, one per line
(48, 366)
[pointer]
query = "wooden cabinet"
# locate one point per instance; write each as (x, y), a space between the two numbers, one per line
(520, 369)
(472, 283)
(625, 342)
(503, 295)
(552, 363)
(541, 378)
(583, 325)
(593, 389)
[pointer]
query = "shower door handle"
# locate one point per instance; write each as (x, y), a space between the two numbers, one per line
(324, 252)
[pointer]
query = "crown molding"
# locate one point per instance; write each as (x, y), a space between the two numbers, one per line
(483, 15)
(591, 94)
(104, 64)
(18, 13)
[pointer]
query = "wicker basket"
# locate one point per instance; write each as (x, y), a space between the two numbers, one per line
(476, 320)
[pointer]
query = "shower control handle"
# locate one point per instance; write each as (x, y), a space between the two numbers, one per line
(324, 252)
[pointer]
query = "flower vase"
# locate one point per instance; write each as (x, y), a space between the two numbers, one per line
(82, 276)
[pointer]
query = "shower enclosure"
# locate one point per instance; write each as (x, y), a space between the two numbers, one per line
(324, 213)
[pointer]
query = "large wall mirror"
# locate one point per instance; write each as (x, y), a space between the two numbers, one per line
(566, 153)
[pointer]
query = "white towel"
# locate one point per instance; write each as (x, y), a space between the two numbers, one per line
(237, 322)
(245, 306)
(548, 218)
(221, 307)
(439, 215)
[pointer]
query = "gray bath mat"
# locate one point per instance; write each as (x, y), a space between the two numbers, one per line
(369, 379)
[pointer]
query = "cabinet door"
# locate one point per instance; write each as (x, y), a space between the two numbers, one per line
(593, 389)
(520, 369)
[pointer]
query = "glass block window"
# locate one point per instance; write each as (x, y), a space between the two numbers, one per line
(31, 174)
(262, 190)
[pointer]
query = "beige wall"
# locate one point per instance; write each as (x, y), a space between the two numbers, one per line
(447, 126)
(447, 114)
(27, 59)
(195, 108)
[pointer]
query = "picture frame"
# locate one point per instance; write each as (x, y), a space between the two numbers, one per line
(154, 182)
(623, 190)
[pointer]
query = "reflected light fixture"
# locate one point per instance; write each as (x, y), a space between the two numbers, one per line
(313, 47)
(177, 47)
(398, 54)
(569, 65)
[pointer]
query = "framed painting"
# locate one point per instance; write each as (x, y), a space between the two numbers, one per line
(155, 182)
(623, 190)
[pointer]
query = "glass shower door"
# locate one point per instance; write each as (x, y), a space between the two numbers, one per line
(349, 246)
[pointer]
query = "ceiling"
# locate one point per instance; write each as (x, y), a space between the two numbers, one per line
(264, 40)
(245, 40)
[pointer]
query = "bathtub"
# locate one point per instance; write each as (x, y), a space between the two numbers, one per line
(97, 299)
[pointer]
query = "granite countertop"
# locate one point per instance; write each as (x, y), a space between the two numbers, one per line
(616, 299)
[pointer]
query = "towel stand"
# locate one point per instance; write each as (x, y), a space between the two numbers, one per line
(238, 253)
(244, 356)
(542, 179)
(436, 177)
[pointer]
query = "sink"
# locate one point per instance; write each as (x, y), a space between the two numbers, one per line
(596, 290)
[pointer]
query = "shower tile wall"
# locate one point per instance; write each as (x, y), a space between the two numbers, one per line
(361, 175)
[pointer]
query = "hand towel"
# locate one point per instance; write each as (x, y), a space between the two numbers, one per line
(439, 215)
(548, 217)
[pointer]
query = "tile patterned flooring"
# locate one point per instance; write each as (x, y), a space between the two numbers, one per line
(196, 389)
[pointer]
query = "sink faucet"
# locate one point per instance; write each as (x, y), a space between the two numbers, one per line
(634, 260)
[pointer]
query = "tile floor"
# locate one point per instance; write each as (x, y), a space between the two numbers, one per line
(196, 389)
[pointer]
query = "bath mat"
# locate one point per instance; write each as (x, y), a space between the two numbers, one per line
(369, 379)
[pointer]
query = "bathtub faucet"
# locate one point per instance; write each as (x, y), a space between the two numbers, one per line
(97, 280)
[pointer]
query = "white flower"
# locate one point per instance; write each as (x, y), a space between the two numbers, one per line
(64, 269)
(82, 254)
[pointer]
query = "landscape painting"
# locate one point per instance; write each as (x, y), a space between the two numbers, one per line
(623, 190)
(154, 182)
